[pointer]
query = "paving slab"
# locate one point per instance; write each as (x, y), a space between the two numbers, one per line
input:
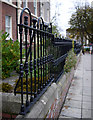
(76, 88)
(71, 112)
(86, 88)
(62, 116)
(79, 84)
(86, 93)
(87, 98)
(74, 97)
(78, 91)
(86, 113)
(87, 105)
(73, 104)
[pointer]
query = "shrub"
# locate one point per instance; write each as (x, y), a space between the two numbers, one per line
(6, 87)
(10, 55)
(70, 61)
(87, 49)
(29, 83)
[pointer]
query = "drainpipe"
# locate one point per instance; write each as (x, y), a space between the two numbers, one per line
(17, 18)
(39, 8)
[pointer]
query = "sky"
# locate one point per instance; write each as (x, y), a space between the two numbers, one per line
(64, 10)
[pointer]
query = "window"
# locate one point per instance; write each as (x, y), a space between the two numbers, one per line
(8, 25)
(47, 15)
(35, 7)
(20, 3)
(8, 0)
(24, 3)
(42, 10)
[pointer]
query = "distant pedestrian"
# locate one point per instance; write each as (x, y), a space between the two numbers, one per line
(90, 49)
(83, 50)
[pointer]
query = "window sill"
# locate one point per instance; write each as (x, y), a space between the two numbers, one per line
(9, 3)
(8, 38)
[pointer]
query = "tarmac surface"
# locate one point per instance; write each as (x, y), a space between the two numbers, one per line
(79, 100)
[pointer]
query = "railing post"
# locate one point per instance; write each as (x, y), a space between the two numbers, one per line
(41, 87)
(34, 26)
(21, 67)
(31, 65)
(26, 63)
(43, 59)
(38, 59)
(45, 56)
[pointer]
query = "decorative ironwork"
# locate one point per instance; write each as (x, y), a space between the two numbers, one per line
(44, 59)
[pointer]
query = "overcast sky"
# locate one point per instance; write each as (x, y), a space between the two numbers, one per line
(64, 10)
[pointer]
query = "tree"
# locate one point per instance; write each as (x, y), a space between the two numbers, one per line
(55, 30)
(55, 22)
(82, 24)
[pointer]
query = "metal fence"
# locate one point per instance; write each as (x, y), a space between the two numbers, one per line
(43, 61)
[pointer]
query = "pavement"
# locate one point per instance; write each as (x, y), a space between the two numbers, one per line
(79, 100)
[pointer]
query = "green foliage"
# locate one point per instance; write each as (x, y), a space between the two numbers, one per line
(70, 61)
(10, 55)
(6, 87)
(55, 30)
(81, 23)
(0, 59)
(86, 49)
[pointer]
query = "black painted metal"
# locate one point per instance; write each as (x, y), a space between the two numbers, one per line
(44, 59)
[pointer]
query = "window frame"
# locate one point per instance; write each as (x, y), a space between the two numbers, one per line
(35, 7)
(26, 3)
(10, 1)
(8, 27)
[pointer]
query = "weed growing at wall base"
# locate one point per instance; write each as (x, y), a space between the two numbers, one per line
(70, 61)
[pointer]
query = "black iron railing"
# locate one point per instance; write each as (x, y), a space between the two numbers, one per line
(77, 48)
(43, 60)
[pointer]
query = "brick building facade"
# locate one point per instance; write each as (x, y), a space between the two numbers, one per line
(10, 14)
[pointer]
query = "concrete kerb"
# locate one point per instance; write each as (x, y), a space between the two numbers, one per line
(42, 106)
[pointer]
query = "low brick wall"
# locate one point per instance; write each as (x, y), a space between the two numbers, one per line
(48, 106)
(62, 88)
